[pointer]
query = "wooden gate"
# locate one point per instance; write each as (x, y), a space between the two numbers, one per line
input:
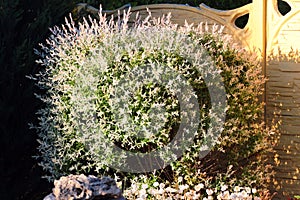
(277, 38)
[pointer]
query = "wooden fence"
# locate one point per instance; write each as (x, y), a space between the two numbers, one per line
(277, 38)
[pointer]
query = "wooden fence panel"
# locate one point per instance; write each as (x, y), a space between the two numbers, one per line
(283, 92)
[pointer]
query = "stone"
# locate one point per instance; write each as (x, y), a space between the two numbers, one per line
(81, 187)
(50, 197)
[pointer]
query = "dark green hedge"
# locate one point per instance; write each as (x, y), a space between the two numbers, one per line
(219, 4)
(23, 24)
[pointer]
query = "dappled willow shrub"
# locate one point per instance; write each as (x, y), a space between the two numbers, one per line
(245, 138)
(102, 87)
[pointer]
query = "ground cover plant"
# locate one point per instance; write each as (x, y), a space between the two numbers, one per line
(107, 83)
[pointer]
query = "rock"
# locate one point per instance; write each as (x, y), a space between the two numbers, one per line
(50, 197)
(81, 187)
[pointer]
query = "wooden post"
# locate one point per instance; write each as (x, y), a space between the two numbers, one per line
(258, 41)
